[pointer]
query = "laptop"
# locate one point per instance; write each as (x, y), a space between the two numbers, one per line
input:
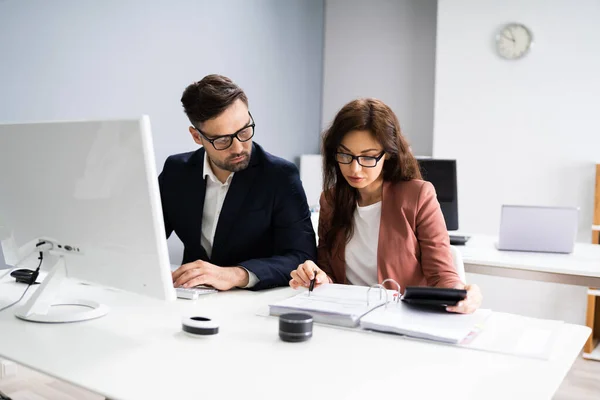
(537, 228)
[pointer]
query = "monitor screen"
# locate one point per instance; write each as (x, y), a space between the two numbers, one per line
(442, 175)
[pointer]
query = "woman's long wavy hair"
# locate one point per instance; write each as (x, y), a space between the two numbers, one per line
(374, 116)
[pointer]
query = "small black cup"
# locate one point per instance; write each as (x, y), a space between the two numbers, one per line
(295, 327)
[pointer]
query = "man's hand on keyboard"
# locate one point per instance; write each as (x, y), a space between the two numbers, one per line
(204, 273)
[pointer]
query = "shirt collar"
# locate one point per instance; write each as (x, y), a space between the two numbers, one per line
(208, 172)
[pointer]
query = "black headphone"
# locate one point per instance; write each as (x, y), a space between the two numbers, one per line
(26, 276)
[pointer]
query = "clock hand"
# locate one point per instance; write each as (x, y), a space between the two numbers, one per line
(509, 38)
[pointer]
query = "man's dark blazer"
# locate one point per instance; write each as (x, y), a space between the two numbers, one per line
(264, 224)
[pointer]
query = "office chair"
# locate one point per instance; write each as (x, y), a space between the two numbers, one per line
(458, 263)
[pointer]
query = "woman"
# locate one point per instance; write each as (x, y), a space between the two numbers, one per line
(378, 218)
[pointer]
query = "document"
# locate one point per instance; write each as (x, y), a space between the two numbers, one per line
(517, 335)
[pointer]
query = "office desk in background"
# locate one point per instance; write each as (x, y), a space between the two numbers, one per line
(138, 351)
(582, 267)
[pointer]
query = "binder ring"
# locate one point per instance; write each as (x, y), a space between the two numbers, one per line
(381, 288)
(397, 300)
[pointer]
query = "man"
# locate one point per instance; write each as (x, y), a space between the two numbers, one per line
(240, 212)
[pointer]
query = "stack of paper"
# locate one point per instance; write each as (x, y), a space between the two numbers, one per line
(334, 304)
(438, 325)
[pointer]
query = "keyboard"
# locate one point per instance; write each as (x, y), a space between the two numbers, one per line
(193, 293)
(459, 240)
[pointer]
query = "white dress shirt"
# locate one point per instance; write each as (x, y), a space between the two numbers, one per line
(361, 250)
(213, 203)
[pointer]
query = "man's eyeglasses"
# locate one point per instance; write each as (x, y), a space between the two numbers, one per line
(225, 141)
(364, 161)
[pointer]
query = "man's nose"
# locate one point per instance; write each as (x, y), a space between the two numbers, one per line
(237, 146)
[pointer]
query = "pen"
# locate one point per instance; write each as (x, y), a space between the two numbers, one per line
(312, 282)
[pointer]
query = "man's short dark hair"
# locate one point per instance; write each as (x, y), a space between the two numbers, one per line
(209, 97)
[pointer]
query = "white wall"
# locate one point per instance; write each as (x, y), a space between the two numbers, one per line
(2, 263)
(383, 49)
(523, 132)
(73, 59)
(80, 59)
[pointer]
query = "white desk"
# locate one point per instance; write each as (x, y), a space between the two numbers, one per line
(582, 267)
(138, 351)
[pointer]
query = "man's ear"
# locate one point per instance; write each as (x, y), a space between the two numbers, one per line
(196, 136)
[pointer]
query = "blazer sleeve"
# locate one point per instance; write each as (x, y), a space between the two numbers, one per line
(163, 187)
(436, 257)
(294, 237)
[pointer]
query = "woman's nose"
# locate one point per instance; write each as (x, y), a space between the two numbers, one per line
(355, 166)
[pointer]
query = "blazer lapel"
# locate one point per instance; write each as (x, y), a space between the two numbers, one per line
(240, 186)
(382, 256)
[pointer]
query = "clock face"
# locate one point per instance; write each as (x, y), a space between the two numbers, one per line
(513, 41)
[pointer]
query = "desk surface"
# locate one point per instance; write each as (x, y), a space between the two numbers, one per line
(138, 351)
(582, 267)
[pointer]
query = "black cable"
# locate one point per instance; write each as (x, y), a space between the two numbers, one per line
(31, 282)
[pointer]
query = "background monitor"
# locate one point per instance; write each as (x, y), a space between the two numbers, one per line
(442, 175)
(91, 185)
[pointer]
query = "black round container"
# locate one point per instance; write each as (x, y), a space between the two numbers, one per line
(295, 327)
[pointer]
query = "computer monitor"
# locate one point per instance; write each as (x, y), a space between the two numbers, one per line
(442, 175)
(89, 190)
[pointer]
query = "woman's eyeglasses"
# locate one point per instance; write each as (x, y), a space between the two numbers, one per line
(364, 161)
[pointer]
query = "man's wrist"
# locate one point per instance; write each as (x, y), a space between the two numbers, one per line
(240, 277)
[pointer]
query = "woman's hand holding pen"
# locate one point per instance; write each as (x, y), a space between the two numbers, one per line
(305, 272)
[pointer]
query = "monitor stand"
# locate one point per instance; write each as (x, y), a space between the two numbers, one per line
(45, 305)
